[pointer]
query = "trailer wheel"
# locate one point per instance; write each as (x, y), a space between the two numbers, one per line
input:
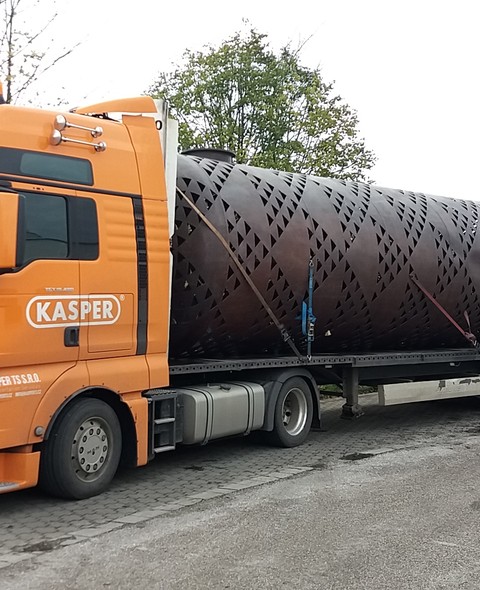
(293, 414)
(83, 450)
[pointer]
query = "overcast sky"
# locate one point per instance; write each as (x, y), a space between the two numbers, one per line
(409, 68)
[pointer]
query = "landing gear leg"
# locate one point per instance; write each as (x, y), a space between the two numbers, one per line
(351, 408)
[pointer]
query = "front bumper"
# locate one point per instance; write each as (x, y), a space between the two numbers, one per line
(18, 470)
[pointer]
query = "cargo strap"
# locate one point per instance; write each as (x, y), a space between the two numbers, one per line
(468, 335)
(285, 335)
(308, 317)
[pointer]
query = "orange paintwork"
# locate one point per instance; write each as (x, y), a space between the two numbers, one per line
(19, 469)
(159, 265)
(38, 373)
(137, 104)
(114, 169)
(9, 215)
(139, 409)
(29, 406)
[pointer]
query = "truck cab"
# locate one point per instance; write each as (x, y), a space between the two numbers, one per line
(80, 197)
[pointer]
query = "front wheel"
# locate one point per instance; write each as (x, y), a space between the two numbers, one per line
(83, 450)
(293, 414)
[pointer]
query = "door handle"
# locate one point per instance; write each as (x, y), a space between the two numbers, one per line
(71, 336)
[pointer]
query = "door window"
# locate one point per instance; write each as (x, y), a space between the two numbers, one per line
(62, 228)
(45, 228)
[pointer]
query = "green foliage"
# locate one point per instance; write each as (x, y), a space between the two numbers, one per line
(267, 108)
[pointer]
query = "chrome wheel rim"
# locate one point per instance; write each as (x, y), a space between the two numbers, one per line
(294, 411)
(90, 448)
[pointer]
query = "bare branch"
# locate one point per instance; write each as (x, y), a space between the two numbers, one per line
(22, 61)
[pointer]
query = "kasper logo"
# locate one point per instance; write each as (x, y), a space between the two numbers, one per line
(58, 311)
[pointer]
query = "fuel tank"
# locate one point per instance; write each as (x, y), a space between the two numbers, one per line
(365, 243)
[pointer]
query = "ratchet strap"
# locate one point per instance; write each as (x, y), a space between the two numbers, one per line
(472, 339)
(285, 335)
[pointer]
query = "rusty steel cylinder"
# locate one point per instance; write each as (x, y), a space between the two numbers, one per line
(365, 244)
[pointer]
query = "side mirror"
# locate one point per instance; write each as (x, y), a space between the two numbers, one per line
(8, 230)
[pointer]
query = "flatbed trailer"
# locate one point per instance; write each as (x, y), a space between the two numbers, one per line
(349, 371)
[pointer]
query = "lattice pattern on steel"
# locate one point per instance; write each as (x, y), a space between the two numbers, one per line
(364, 241)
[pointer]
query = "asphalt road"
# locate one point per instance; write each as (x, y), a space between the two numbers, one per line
(389, 501)
(398, 520)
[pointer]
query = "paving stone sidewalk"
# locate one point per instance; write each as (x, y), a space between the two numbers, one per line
(31, 523)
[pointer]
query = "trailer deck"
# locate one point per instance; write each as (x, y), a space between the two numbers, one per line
(327, 361)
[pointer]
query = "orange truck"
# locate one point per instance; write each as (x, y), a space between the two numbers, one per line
(86, 383)
(84, 210)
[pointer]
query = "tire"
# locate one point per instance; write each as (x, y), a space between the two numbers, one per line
(293, 414)
(82, 453)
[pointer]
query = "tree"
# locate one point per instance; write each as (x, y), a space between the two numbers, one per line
(22, 60)
(266, 107)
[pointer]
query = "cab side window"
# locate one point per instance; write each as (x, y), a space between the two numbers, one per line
(46, 229)
(56, 227)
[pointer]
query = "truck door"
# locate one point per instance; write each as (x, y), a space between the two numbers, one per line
(38, 299)
(109, 284)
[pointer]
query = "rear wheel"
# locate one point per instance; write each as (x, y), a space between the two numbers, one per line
(83, 450)
(293, 414)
